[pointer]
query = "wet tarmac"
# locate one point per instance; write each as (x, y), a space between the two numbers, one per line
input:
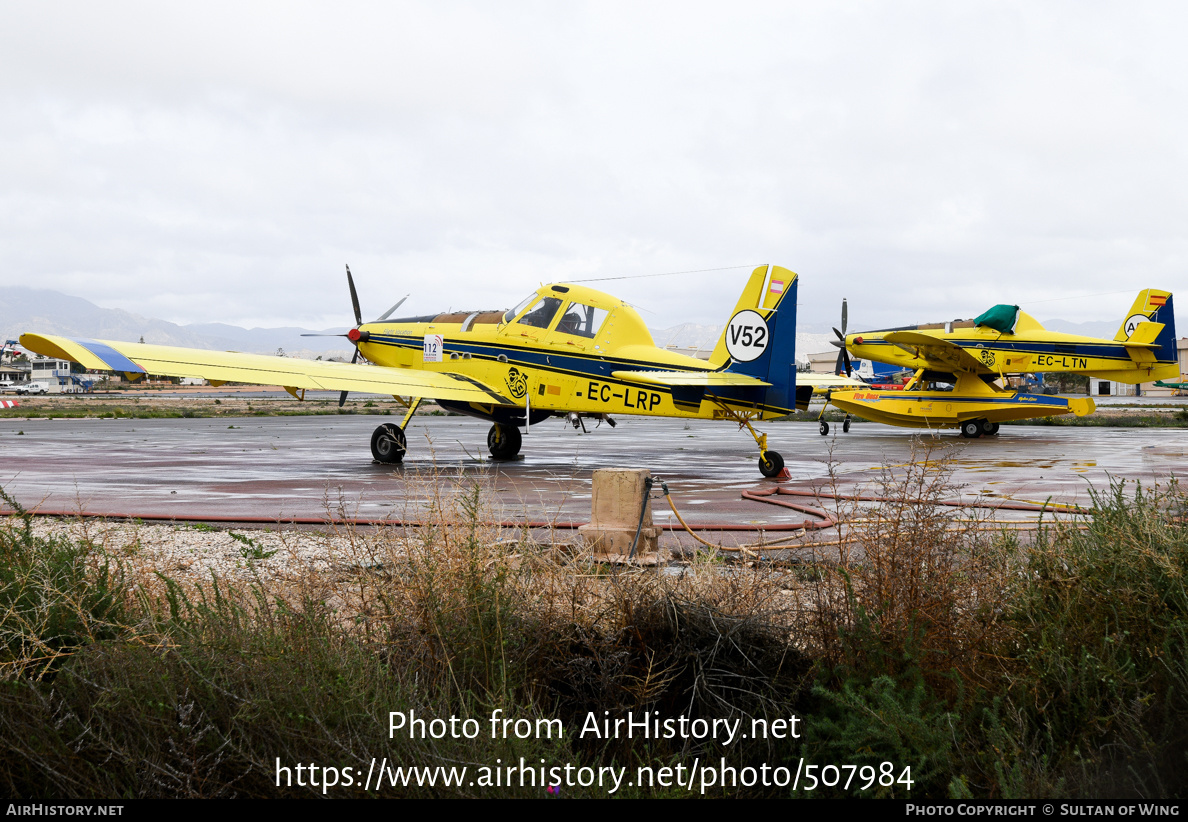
(271, 469)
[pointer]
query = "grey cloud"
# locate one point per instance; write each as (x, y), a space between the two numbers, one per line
(221, 162)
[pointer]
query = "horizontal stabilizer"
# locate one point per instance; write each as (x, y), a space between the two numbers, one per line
(1142, 346)
(834, 382)
(706, 379)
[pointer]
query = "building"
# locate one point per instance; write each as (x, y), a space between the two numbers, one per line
(59, 376)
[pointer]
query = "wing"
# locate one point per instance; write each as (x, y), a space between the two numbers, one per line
(705, 379)
(941, 354)
(258, 369)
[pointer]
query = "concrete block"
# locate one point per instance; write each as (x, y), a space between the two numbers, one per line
(618, 494)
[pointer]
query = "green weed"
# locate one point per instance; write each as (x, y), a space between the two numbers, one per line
(251, 549)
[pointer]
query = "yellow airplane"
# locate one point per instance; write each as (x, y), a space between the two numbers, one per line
(976, 356)
(1006, 340)
(565, 350)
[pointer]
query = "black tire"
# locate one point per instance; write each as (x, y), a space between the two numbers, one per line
(989, 428)
(971, 429)
(846, 425)
(770, 464)
(504, 441)
(388, 444)
(823, 428)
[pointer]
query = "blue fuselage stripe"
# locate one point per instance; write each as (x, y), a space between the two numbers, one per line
(1105, 351)
(1028, 399)
(583, 366)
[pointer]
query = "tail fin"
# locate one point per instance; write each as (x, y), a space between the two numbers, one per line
(760, 339)
(764, 289)
(1153, 306)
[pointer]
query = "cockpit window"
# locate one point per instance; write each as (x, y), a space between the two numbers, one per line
(524, 303)
(582, 320)
(543, 313)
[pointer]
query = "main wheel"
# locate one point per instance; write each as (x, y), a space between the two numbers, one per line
(388, 443)
(989, 428)
(971, 429)
(823, 428)
(770, 464)
(846, 425)
(504, 441)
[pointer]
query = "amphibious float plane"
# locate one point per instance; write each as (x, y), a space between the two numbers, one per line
(976, 356)
(565, 350)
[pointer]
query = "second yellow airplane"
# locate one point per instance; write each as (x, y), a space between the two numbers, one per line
(976, 356)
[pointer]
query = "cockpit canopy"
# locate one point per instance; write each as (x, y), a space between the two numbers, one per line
(582, 314)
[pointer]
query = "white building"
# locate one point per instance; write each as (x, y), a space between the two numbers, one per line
(57, 376)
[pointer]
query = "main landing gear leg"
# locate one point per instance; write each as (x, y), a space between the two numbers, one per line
(771, 464)
(412, 409)
(823, 426)
(504, 441)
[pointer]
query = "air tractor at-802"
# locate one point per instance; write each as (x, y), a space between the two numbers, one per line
(960, 369)
(565, 350)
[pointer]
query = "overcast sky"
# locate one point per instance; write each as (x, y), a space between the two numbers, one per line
(207, 162)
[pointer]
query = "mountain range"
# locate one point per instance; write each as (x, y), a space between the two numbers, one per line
(29, 309)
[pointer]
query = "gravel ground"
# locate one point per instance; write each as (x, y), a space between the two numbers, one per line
(198, 553)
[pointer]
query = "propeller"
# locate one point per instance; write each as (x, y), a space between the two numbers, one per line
(355, 335)
(843, 356)
(392, 310)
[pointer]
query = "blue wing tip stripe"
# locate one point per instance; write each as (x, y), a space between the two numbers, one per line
(114, 359)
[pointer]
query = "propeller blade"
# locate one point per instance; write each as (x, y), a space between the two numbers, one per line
(845, 315)
(849, 369)
(837, 367)
(323, 335)
(354, 298)
(354, 359)
(840, 335)
(837, 344)
(391, 310)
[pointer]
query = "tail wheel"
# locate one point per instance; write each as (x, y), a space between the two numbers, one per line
(846, 425)
(770, 464)
(823, 428)
(971, 429)
(504, 441)
(388, 443)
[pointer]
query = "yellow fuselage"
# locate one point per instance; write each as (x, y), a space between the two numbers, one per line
(548, 369)
(1030, 349)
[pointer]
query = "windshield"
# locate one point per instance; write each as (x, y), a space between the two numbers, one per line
(543, 313)
(524, 303)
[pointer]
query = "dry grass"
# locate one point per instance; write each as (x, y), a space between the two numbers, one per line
(925, 643)
(911, 574)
